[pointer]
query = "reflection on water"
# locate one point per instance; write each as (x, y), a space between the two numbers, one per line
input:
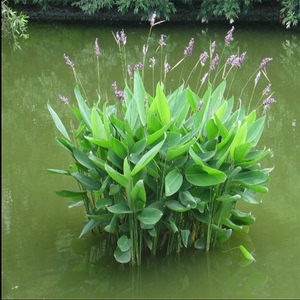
(42, 255)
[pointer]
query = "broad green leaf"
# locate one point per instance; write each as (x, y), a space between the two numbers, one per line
(173, 225)
(212, 130)
(222, 129)
(120, 208)
(118, 177)
(118, 147)
(232, 172)
(185, 233)
(223, 149)
(240, 138)
(193, 99)
(196, 158)
(246, 253)
(147, 157)
(204, 176)
(111, 227)
(122, 257)
(87, 181)
(241, 151)
(58, 123)
(57, 171)
(200, 243)
(172, 139)
(114, 189)
(255, 131)
(116, 161)
(103, 202)
(176, 206)
(217, 96)
(223, 234)
(106, 120)
(241, 218)
(220, 112)
(257, 188)
(83, 159)
(97, 125)
(139, 96)
(251, 178)
(253, 157)
(162, 105)
(124, 243)
(173, 182)
(251, 118)
(179, 106)
(70, 193)
(138, 196)
(99, 142)
(150, 216)
(97, 161)
(187, 199)
(202, 217)
(91, 224)
(228, 198)
(84, 110)
(232, 225)
(138, 147)
(179, 150)
(247, 196)
(157, 134)
(65, 144)
(148, 241)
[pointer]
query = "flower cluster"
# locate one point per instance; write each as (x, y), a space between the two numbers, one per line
(229, 37)
(97, 49)
(68, 61)
(118, 94)
(189, 49)
(121, 38)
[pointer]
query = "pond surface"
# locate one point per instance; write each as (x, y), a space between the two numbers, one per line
(42, 256)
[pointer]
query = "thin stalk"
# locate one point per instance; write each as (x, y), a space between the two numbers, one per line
(210, 218)
(98, 73)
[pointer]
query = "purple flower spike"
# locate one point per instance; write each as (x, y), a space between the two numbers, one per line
(203, 57)
(152, 62)
(68, 61)
(138, 66)
(257, 78)
(129, 71)
(167, 67)
(189, 49)
(228, 37)
(267, 90)
(119, 94)
(63, 99)
(213, 47)
(152, 20)
(162, 40)
(214, 62)
(97, 49)
(267, 102)
(121, 38)
(265, 61)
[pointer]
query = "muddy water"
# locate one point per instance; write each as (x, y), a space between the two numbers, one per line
(42, 256)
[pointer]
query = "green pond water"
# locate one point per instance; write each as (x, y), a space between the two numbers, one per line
(42, 256)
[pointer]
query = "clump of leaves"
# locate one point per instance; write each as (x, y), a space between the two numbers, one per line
(165, 171)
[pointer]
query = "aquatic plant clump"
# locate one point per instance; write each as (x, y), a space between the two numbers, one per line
(163, 171)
